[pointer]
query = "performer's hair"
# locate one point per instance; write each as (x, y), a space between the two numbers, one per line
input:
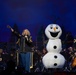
(26, 32)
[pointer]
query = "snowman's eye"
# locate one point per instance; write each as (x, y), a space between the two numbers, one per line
(56, 27)
(51, 27)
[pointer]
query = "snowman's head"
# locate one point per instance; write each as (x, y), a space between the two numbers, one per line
(53, 31)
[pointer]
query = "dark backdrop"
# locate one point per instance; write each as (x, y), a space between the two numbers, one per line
(33, 14)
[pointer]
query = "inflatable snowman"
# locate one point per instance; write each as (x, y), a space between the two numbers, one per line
(53, 58)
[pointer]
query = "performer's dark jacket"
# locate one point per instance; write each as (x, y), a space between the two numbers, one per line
(25, 45)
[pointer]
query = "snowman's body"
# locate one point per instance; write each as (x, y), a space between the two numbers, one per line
(53, 59)
(54, 46)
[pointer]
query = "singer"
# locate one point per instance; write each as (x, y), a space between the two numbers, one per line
(26, 44)
(24, 41)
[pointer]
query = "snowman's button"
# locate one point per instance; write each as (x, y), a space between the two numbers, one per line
(55, 47)
(55, 56)
(55, 64)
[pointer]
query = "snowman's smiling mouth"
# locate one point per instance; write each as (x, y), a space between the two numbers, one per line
(54, 34)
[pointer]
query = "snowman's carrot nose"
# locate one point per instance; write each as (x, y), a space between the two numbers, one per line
(54, 28)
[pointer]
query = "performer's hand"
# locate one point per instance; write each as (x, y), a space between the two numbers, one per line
(26, 38)
(31, 40)
(12, 30)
